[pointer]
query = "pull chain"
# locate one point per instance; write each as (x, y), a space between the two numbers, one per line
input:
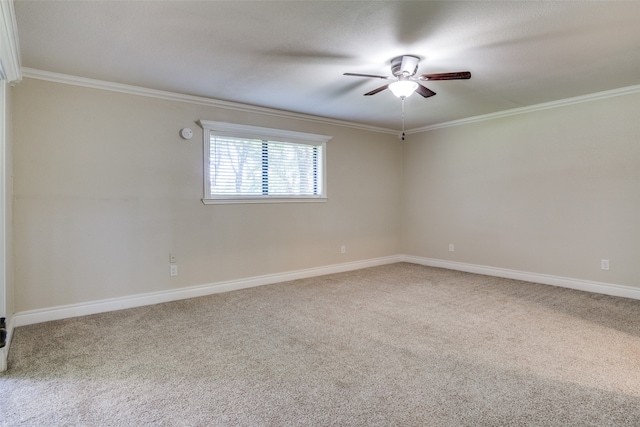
(402, 117)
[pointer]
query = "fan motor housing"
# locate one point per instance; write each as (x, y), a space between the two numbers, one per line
(406, 65)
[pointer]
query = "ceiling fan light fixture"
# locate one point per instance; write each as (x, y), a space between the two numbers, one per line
(403, 88)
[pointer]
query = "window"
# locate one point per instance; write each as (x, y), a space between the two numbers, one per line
(249, 164)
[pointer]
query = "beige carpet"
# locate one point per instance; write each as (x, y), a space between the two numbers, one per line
(397, 345)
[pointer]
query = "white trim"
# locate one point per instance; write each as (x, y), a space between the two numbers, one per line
(197, 100)
(257, 132)
(9, 50)
(210, 102)
(545, 279)
(532, 108)
(3, 215)
(265, 199)
(112, 304)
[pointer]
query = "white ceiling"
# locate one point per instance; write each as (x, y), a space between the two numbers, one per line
(290, 55)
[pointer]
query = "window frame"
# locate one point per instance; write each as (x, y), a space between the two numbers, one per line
(234, 130)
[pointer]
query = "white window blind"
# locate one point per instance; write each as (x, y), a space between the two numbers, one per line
(251, 164)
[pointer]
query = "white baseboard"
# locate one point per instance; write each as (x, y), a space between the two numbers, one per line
(113, 304)
(563, 282)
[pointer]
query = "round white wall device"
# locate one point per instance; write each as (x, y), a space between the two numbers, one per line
(186, 133)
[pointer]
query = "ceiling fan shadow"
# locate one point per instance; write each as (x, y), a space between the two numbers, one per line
(307, 55)
(342, 90)
(416, 21)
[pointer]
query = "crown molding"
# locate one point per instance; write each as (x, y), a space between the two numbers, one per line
(9, 51)
(211, 102)
(198, 100)
(532, 108)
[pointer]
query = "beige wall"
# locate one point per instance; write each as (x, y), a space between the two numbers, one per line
(550, 192)
(105, 189)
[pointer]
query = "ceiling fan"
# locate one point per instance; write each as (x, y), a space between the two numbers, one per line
(404, 69)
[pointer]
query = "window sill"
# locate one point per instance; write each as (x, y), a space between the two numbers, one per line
(264, 200)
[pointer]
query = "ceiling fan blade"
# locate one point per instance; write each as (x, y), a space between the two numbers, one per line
(373, 92)
(366, 75)
(460, 75)
(424, 91)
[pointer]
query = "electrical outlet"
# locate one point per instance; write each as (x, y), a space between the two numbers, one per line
(451, 247)
(343, 249)
(174, 270)
(604, 264)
